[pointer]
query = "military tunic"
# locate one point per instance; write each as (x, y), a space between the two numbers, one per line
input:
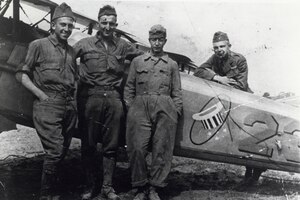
(154, 97)
(233, 66)
(99, 99)
(54, 71)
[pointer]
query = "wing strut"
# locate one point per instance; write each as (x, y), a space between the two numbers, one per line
(16, 17)
(43, 19)
(4, 8)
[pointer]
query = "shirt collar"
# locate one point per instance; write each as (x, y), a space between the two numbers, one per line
(98, 38)
(149, 55)
(53, 39)
(229, 54)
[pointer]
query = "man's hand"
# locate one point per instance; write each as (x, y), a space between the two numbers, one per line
(26, 81)
(43, 96)
(224, 80)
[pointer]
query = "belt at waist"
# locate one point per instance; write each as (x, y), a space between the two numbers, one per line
(152, 93)
(59, 93)
(104, 91)
(103, 88)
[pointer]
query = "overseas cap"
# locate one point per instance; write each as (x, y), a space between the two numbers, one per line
(63, 10)
(220, 36)
(107, 10)
(157, 31)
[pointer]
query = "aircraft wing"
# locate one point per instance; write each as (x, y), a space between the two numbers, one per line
(47, 5)
(184, 62)
(44, 5)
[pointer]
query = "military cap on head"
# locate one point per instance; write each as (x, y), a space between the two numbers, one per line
(107, 10)
(220, 36)
(157, 31)
(63, 10)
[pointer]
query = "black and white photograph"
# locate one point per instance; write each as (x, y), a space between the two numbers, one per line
(149, 100)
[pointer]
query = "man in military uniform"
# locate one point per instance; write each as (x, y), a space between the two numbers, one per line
(51, 63)
(99, 99)
(228, 68)
(225, 66)
(154, 98)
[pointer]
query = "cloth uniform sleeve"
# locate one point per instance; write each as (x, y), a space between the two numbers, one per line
(78, 49)
(130, 87)
(176, 91)
(30, 60)
(205, 70)
(132, 52)
(242, 76)
(77, 74)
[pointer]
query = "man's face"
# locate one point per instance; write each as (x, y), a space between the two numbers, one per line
(63, 27)
(221, 48)
(107, 25)
(157, 44)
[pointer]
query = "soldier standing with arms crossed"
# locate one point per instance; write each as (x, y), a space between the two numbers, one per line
(51, 61)
(154, 97)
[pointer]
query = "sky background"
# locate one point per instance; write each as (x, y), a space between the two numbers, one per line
(265, 32)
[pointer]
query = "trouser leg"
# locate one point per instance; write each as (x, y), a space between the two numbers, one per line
(162, 150)
(47, 183)
(113, 117)
(54, 121)
(89, 132)
(90, 172)
(109, 165)
(138, 135)
(101, 117)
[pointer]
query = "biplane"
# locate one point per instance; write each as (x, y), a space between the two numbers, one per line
(219, 123)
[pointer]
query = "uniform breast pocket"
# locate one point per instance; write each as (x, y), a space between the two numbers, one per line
(93, 62)
(142, 75)
(49, 72)
(90, 56)
(234, 71)
(51, 67)
(115, 64)
(164, 76)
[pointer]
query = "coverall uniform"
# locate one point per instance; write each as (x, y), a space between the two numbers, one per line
(53, 67)
(233, 66)
(99, 99)
(153, 93)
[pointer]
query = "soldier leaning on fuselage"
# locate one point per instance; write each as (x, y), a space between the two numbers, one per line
(225, 66)
(231, 69)
(51, 61)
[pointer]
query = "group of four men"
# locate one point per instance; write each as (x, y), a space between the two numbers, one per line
(152, 96)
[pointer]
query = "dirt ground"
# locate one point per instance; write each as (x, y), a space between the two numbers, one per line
(21, 158)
